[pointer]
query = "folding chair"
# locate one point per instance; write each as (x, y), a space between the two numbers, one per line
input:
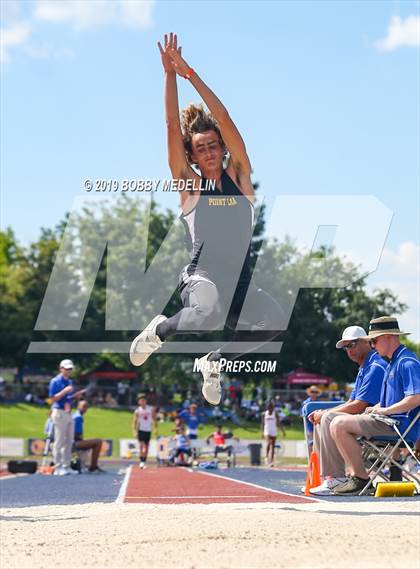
(47, 462)
(309, 408)
(164, 446)
(378, 452)
(229, 451)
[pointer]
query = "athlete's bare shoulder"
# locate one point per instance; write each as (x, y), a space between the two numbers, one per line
(189, 198)
(242, 180)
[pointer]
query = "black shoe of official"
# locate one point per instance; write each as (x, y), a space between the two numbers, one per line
(395, 474)
(352, 487)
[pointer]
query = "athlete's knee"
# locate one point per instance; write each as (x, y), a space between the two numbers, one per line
(208, 316)
(340, 425)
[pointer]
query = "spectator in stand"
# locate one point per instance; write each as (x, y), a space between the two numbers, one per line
(98, 399)
(61, 393)
(239, 394)
(255, 410)
(152, 397)
(217, 413)
(110, 401)
(94, 445)
(122, 392)
(232, 393)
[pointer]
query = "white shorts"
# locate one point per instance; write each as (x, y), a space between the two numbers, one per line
(270, 433)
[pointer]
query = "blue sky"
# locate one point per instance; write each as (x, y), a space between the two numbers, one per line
(325, 94)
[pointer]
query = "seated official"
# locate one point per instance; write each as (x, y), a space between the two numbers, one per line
(400, 399)
(366, 393)
(183, 444)
(219, 441)
(86, 444)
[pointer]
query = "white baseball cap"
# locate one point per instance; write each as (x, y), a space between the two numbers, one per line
(349, 334)
(67, 364)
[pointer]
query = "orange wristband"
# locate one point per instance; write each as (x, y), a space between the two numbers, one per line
(189, 73)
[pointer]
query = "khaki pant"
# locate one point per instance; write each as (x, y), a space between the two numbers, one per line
(63, 437)
(330, 459)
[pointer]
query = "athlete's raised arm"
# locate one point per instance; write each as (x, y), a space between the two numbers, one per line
(230, 134)
(176, 152)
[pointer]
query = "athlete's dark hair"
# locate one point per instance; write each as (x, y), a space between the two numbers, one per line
(194, 119)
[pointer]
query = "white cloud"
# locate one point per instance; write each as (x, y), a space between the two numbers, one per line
(82, 14)
(401, 33)
(13, 36)
(79, 14)
(399, 271)
(46, 51)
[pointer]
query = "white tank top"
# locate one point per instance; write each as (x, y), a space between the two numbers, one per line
(270, 423)
(144, 418)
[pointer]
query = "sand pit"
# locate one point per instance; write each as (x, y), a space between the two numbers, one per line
(340, 535)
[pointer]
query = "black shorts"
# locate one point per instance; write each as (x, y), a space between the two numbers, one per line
(144, 436)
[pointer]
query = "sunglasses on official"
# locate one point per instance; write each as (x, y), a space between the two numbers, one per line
(350, 345)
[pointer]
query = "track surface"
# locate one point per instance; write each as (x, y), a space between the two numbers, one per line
(39, 490)
(183, 486)
(167, 486)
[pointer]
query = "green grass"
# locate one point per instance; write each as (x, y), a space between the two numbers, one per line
(28, 421)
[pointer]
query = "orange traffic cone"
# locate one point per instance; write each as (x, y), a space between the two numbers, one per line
(313, 478)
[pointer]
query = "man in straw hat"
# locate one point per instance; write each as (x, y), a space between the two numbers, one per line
(400, 396)
(313, 392)
(366, 393)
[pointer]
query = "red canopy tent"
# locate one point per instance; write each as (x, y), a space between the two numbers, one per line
(302, 377)
(112, 375)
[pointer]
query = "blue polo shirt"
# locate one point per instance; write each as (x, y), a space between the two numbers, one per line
(369, 380)
(56, 385)
(78, 424)
(402, 379)
(192, 421)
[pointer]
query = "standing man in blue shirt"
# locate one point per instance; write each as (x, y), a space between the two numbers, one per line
(61, 393)
(366, 393)
(193, 420)
(400, 397)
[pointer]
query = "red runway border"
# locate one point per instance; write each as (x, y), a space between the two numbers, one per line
(183, 486)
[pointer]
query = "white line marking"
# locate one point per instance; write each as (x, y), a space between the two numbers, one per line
(189, 497)
(258, 486)
(121, 493)
(8, 476)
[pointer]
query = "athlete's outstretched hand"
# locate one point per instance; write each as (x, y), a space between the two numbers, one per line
(170, 43)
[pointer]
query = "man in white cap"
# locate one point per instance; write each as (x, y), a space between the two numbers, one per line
(366, 393)
(61, 394)
(400, 397)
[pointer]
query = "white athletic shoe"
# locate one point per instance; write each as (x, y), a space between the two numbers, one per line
(142, 465)
(62, 471)
(327, 487)
(146, 342)
(212, 388)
